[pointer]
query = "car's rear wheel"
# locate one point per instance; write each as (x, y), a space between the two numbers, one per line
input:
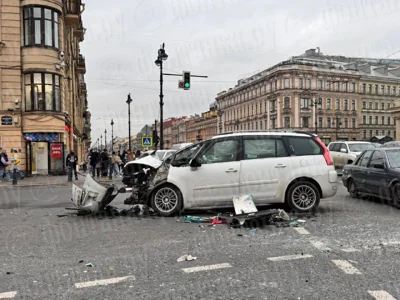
(395, 191)
(167, 200)
(303, 196)
(352, 189)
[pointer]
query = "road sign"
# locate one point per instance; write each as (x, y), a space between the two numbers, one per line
(147, 141)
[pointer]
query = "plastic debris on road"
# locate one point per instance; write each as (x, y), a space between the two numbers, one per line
(194, 219)
(244, 204)
(186, 257)
(89, 264)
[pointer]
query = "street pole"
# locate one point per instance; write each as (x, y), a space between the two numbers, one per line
(112, 150)
(101, 142)
(159, 62)
(105, 138)
(129, 101)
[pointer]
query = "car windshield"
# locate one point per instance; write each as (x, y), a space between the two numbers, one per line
(360, 147)
(393, 158)
(185, 155)
(160, 154)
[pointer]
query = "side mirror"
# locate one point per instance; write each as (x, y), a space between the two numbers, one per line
(343, 150)
(195, 163)
(379, 166)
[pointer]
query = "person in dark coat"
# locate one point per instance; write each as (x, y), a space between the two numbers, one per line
(94, 160)
(72, 161)
(105, 160)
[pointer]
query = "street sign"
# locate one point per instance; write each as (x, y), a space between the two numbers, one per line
(147, 141)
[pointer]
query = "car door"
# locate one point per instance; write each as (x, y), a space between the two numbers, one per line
(376, 177)
(340, 156)
(216, 181)
(360, 171)
(263, 168)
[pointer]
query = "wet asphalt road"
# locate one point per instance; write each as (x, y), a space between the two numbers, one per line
(350, 250)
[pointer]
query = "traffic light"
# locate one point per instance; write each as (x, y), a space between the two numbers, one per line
(186, 80)
(155, 138)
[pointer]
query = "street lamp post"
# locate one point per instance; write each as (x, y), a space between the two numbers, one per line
(237, 123)
(316, 103)
(101, 142)
(105, 138)
(129, 101)
(112, 149)
(159, 62)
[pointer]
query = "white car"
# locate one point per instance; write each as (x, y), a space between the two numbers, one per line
(164, 154)
(274, 167)
(345, 152)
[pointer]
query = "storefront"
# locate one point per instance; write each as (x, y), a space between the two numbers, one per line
(45, 153)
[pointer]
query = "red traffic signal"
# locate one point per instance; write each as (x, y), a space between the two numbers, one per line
(181, 84)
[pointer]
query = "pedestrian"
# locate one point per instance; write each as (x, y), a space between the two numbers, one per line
(131, 156)
(71, 162)
(94, 160)
(3, 166)
(105, 161)
(116, 161)
(15, 164)
(137, 154)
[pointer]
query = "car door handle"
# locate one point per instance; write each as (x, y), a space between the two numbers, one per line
(231, 171)
(280, 166)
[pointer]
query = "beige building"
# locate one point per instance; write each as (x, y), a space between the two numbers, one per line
(203, 127)
(43, 97)
(329, 95)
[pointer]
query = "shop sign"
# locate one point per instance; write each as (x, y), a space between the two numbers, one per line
(56, 150)
(6, 120)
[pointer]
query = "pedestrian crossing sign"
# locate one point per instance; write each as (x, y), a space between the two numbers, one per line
(147, 141)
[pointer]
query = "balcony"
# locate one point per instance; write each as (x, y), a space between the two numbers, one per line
(82, 86)
(79, 33)
(81, 65)
(72, 19)
(287, 110)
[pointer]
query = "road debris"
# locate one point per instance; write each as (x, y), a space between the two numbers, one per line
(194, 219)
(89, 264)
(186, 257)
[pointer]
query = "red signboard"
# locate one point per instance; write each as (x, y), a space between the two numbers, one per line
(56, 150)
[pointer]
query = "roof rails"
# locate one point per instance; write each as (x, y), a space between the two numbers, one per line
(269, 130)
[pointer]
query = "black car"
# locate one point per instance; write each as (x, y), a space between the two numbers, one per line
(375, 173)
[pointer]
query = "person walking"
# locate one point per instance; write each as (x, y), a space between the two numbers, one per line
(94, 160)
(116, 161)
(72, 160)
(3, 166)
(105, 161)
(15, 164)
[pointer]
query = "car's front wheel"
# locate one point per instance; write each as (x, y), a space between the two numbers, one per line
(166, 200)
(303, 196)
(352, 189)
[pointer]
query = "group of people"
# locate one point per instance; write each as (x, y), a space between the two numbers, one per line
(7, 166)
(100, 162)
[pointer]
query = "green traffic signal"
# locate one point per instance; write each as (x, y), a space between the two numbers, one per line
(187, 85)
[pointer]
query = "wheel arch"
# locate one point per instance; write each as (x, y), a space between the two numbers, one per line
(309, 179)
(162, 183)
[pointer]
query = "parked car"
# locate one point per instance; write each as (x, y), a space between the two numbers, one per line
(274, 167)
(376, 173)
(391, 144)
(345, 152)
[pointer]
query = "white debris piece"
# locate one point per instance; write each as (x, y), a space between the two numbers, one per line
(244, 204)
(186, 257)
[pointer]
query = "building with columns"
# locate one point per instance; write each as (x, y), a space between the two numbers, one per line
(340, 98)
(43, 95)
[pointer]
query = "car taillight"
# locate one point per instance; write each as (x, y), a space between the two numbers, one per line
(326, 153)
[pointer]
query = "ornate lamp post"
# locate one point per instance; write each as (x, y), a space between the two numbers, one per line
(129, 101)
(316, 103)
(162, 55)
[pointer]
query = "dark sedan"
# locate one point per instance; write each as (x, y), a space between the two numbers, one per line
(376, 173)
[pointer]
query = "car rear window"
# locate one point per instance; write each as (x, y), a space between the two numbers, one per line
(304, 146)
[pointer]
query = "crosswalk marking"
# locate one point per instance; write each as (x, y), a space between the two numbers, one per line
(349, 250)
(289, 257)
(206, 268)
(381, 295)
(8, 295)
(301, 230)
(320, 245)
(101, 282)
(346, 267)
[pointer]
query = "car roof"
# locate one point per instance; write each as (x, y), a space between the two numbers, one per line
(273, 133)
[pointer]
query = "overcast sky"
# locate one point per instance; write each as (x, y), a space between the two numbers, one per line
(223, 39)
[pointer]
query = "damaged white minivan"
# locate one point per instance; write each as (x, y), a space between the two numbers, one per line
(274, 167)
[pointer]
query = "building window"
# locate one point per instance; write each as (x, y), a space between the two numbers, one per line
(364, 120)
(328, 85)
(329, 122)
(394, 91)
(376, 132)
(273, 123)
(388, 90)
(256, 108)
(388, 105)
(337, 86)
(305, 103)
(364, 134)
(40, 27)
(346, 86)
(346, 123)
(376, 89)
(260, 107)
(389, 133)
(320, 122)
(364, 105)
(388, 121)
(383, 89)
(370, 133)
(300, 83)
(353, 87)
(328, 104)
(320, 84)
(383, 106)
(287, 83)
(346, 105)
(286, 102)
(370, 105)
(261, 125)
(353, 105)
(376, 105)
(305, 122)
(364, 89)
(309, 83)
(42, 92)
(353, 122)
(370, 88)
(383, 120)
(337, 104)
(287, 122)
(370, 120)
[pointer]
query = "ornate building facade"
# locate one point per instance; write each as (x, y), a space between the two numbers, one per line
(333, 96)
(43, 99)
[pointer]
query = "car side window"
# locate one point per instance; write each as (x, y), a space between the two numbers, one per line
(221, 151)
(377, 158)
(304, 146)
(331, 146)
(359, 159)
(263, 147)
(365, 158)
(336, 148)
(187, 154)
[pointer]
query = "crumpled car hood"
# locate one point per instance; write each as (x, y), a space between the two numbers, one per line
(149, 161)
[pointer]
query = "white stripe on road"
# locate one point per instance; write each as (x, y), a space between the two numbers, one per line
(101, 282)
(301, 230)
(346, 267)
(289, 257)
(8, 295)
(320, 245)
(350, 250)
(206, 268)
(381, 295)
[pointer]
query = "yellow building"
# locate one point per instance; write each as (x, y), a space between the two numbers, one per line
(43, 97)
